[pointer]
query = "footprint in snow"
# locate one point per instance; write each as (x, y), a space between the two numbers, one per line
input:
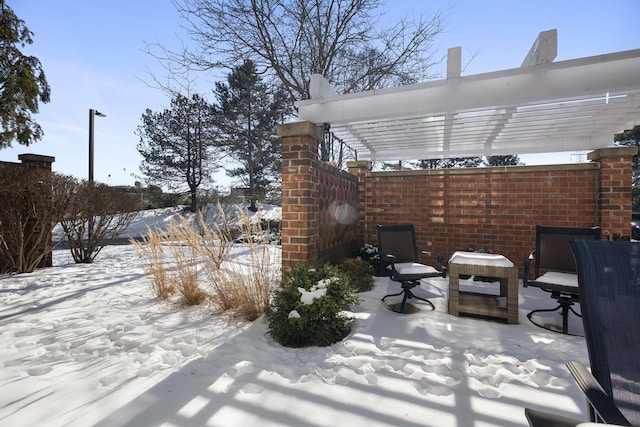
(39, 371)
(433, 390)
(488, 392)
(252, 389)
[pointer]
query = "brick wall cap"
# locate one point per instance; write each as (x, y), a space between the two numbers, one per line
(489, 170)
(36, 158)
(360, 164)
(621, 151)
(300, 129)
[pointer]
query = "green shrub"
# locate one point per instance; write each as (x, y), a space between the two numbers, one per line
(359, 272)
(370, 254)
(308, 308)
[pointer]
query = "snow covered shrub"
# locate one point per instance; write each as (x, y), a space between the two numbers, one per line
(370, 254)
(309, 307)
(359, 273)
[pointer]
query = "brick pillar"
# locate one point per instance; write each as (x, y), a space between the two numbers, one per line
(614, 189)
(300, 207)
(37, 161)
(360, 169)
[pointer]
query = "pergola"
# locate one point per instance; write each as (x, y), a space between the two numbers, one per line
(541, 107)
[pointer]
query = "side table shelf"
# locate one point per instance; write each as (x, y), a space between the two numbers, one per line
(504, 306)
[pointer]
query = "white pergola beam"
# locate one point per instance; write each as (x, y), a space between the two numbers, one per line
(573, 105)
(544, 49)
(567, 80)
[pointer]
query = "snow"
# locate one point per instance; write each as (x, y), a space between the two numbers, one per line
(87, 344)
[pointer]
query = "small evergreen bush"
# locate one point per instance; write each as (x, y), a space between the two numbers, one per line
(308, 308)
(370, 254)
(359, 273)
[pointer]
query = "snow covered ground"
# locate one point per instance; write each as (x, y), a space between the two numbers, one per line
(85, 345)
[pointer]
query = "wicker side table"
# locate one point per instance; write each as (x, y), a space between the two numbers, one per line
(504, 306)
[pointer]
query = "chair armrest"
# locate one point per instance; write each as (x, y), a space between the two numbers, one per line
(527, 268)
(391, 259)
(598, 400)
(439, 261)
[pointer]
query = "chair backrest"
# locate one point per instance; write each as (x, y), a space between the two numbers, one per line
(553, 248)
(609, 281)
(399, 241)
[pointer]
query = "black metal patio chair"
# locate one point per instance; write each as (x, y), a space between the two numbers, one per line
(609, 281)
(399, 259)
(555, 269)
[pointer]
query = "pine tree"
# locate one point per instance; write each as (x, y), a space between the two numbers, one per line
(631, 138)
(510, 160)
(454, 162)
(178, 144)
(22, 82)
(248, 111)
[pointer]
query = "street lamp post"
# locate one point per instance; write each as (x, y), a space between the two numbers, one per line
(92, 114)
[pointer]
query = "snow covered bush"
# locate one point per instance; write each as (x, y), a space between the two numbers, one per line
(310, 307)
(359, 273)
(370, 254)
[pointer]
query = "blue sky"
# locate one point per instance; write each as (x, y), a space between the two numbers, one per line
(92, 54)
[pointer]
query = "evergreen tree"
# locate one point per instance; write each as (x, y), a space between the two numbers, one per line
(177, 145)
(455, 162)
(631, 138)
(247, 114)
(22, 82)
(510, 160)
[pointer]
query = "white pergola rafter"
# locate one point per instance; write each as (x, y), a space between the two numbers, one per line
(540, 107)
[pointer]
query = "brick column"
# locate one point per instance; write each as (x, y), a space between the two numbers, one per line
(300, 211)
(614, 189)
(37, 161)
(360, 170)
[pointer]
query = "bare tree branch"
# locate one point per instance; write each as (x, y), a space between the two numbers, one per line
(289, 40)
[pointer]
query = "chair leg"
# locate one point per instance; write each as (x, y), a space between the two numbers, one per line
(412, 295)
(565, 306)
(393, 295)
(406, 294)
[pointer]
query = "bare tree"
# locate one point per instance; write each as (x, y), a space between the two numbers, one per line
(31, 204)
(95, 216)
(288, 40)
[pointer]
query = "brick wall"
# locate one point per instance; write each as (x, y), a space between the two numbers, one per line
(493, 208)
(614, 197)
(319, 201)
(498, 208)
